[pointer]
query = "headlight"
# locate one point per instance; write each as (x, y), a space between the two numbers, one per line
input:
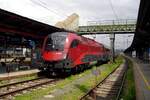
(64, 56)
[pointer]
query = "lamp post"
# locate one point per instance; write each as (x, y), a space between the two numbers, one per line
(112, 40)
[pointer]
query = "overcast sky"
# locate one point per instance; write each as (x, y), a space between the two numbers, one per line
(122, 41)
(51, 11)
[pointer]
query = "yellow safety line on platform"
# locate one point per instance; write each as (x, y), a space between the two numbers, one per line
(144, 78)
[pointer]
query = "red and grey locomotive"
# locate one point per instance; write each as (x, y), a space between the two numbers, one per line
(65, 51)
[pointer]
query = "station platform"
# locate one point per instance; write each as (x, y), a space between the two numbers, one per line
(142, 79)
(18, 74)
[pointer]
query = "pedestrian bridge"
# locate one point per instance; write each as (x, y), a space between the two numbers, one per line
(108, 26)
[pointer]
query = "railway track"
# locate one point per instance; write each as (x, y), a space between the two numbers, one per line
(109, 88)
(9, 90)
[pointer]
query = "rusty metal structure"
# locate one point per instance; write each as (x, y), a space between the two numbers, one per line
(141, 42)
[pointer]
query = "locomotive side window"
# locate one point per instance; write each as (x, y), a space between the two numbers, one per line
(74, 43)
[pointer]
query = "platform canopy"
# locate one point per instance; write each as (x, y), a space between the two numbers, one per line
(142, 35)
(13, 24)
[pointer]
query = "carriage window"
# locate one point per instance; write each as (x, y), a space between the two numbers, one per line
(74, 43)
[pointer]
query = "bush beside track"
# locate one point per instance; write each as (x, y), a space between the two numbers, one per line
(78, 90)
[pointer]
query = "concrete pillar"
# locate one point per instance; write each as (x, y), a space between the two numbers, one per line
(112, 41)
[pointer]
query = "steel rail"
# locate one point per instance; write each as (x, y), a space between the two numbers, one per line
(11, 84)
(91, 90)
(26, 88)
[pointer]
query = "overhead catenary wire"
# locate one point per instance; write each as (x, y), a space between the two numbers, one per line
(43, 5)
(112, 7)
(53, 9)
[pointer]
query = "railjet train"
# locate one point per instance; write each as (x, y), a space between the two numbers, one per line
(69, 52)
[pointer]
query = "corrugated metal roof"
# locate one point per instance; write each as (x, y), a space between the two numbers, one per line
(14, 24)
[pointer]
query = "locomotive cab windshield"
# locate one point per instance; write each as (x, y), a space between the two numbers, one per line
(56, 41)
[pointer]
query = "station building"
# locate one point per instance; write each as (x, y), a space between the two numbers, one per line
(21, 40)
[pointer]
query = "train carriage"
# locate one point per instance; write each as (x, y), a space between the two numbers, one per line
(63, 51)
